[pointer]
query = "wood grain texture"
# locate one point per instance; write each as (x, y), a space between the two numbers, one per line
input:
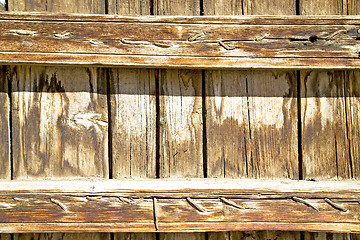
(180, 42)
(133, 116)
(334, 121)
(111, 205)
(180, 116)
(63, 112)
(249, 117)
(180, 123)
(59, 122)
(5, 170)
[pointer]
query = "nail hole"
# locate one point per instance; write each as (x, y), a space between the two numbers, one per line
(313, 38)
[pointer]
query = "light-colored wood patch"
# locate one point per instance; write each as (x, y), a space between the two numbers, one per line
(133, 115)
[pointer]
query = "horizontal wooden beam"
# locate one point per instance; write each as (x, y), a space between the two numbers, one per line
(179, 205)
(217, 42)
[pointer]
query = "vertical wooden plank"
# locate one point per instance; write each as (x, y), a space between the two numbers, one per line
(326, 114)
(5, 161)
(180, 120)
(133, 116)
(59, 117)
(251, 117)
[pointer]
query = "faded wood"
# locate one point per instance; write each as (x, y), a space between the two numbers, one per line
(245, 131)
(60, 119)
(113, 205)
(193, 42)
(180, 115)
(133, 116)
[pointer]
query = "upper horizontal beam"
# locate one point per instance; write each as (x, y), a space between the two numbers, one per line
(221, 42)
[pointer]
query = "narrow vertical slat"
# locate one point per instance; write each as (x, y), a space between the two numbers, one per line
(251, 117)
(180, 116)
(133, 116)
(325, 115)
(59, 116)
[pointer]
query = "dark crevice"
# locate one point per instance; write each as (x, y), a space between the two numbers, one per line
(108, 94)
(205, 167)
(300, 153)
(7, 74)
(202, 13)
(242, 7)
(336, 159)
(106, 2)
(157, 236)
(157, 102)
(6, 5)
(249, 125)
(347, 79)
(297, 7)
(112, 236)
(302, 236)
(206, 236)
(151, 7)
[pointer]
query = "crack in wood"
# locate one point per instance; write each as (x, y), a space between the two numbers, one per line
(331, 36)
(231, 203)
(300, 200)
(196, 36)
(155, 214)
(60, 204)
(195, 205)
(335, 205)
(261, 36)
(130, 201)
(226, 46)
(63, 35)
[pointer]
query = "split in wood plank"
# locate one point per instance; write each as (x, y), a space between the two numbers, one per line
(179, 205)
(320, 42)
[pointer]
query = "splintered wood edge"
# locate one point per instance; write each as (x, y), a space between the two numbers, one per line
(206, 42)
(172, 205)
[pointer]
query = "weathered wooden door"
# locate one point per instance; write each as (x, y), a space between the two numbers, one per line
(166, 123)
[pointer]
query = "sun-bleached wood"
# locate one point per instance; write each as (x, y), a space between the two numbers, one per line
(181, 42)
(181, 206)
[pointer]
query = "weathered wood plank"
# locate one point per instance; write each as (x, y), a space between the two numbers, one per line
(180, 42)
(59, 115)
(180, 115)
(327, 92)
(133, 116)
(111, 205)
(5, 171)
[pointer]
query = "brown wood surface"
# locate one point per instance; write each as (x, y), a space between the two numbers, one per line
(182, 206)
(329, 109)
(133, 116)
(5, 159)
(180, 116)
(209, 44)
(60, 120)
(251, 117)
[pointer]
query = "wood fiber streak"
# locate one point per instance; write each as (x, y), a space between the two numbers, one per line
(133, 123)
(180, 116)
(251, 116)
(5, 162)
(60, 119)
(59, 125)
(328, 110)
(133, 116)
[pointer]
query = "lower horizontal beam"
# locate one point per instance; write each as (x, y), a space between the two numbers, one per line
(179, 205)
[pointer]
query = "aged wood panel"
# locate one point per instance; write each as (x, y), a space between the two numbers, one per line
(250, 116)
(113, 205)
(180, 42)
(5, 172)
(59, 116)
(180, 116)
(133, 116)
(334, 94)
